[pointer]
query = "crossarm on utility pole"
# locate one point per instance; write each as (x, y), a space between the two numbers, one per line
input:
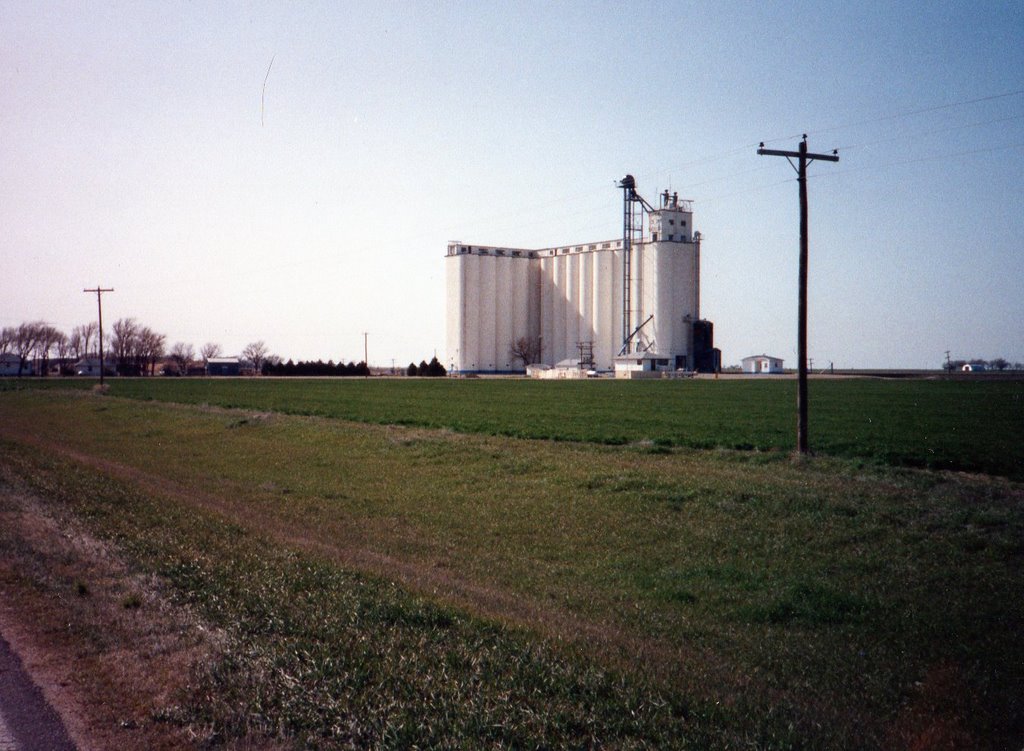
(796, 154)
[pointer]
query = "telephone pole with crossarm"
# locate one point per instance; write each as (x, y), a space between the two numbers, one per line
(804, 158)
(99, 304)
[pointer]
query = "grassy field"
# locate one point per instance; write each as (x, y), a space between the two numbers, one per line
(957, 425)
(393, 586)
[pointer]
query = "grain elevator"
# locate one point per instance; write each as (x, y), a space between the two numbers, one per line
(630, 305)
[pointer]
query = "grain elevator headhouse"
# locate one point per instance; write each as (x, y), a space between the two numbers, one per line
(629, 305)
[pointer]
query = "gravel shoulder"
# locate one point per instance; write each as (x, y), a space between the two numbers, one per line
(27, 721)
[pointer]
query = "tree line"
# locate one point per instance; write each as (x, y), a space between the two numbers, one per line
(318, 368)
(38, 341)
(133, 349)
(432, 369)
(997, 364)
(129, 348)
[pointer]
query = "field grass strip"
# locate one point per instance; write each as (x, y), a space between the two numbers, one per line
(782, 572)
(939, 424)
(322, 657)
(439, 583)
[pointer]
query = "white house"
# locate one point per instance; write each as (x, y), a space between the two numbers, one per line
(762, 364)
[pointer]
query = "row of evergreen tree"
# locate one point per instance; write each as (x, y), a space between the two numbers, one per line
(318, 368)
(432, 369)
(273, 367)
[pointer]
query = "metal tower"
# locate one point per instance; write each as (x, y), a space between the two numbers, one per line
(586, 350)
(633, 207)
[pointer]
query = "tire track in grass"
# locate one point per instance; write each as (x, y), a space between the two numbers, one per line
(613, 644)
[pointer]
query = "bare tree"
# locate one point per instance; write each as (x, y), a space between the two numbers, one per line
(181, 355)
(136, 348)
(63, 349)
(150, 349)
(75, 344)
(81, 338)
(124, 344)
(527, 349)
(256, 353)
(26, 339)
(209, 350)
(47, 339)
(8, 335)
(138, 353)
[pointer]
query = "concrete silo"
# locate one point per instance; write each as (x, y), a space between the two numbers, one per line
(628, 304)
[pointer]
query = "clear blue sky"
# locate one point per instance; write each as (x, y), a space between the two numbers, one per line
(141, 150)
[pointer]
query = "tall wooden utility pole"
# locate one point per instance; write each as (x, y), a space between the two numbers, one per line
(366, 352)
(801, 355)
(99, 304)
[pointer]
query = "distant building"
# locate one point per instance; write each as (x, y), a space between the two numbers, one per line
(636, 296)
(90, 366)
(10, 365)
(223, 366)
(762, 364)
(641, 365)
(974, 367)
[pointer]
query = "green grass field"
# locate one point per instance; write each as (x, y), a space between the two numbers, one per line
(397, 585)
(958, 425)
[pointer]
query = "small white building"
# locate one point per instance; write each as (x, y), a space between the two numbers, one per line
(90, 366)
(223, 366)
(642, 365)
(564, 369)
(974, 367)
(762, 364)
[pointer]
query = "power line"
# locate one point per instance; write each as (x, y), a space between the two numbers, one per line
(922, 111)
(534, 209)
(842, 126)
(711, 199)
(933, 131)
(917, 160)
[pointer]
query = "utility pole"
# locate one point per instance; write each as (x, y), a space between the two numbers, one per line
(99, 304)
(366, 352)
(801, 356)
